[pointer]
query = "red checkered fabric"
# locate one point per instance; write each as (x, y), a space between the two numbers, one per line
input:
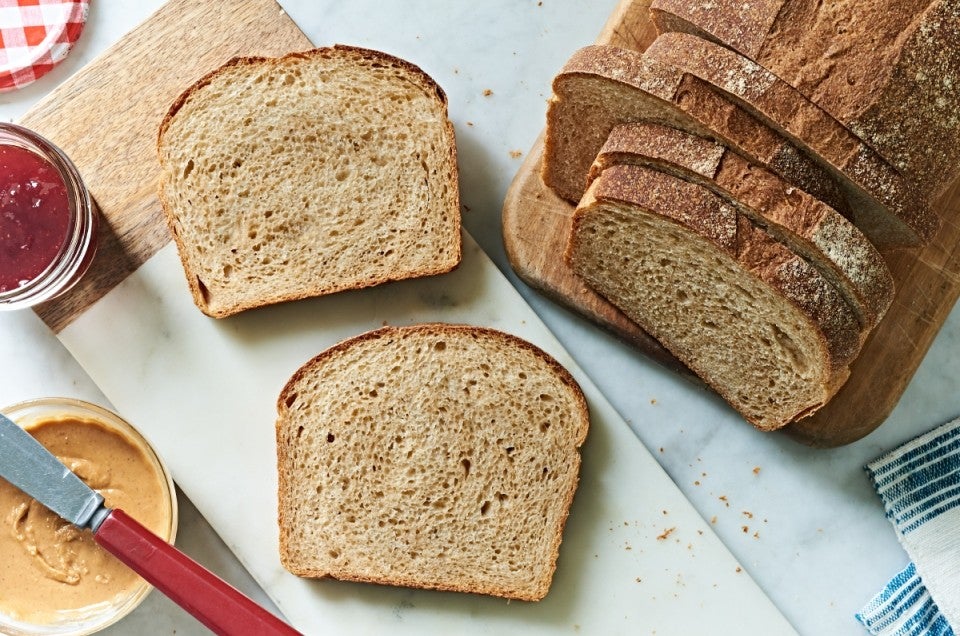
(35, 35)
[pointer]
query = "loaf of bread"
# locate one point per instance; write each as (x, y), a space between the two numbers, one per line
(889, 70)
(885, 205)
(803, 223)
(308, 174)
(432, 456)
(755, 321)
(602, 86)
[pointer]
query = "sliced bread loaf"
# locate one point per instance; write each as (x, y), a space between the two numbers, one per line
(308, 174)
(886, 206)
(432, 456)
(805, 224)
(889, 70)
(602, 86)
(752, 319)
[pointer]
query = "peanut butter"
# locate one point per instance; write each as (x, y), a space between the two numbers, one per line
(47, 565)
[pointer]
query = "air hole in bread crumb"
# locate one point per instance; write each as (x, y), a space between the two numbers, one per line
(466, 466)
(484, 508)
(330, 437)
(291, 399)
(188, 169)
(204, 292)
(299, 431)
(334, 554)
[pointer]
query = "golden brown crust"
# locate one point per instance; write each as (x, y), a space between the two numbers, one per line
(287, 393)
(781, 106)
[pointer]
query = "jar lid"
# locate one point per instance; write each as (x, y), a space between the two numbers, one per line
(35, 35)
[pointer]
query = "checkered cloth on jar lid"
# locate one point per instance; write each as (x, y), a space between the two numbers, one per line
(35, 35)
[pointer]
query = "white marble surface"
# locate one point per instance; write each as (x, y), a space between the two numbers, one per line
(816, 539)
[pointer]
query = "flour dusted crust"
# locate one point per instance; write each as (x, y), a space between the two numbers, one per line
(752, 319)
(433, 456)
(898, 212)
(807, 225)
(312, 173)
(889, 70)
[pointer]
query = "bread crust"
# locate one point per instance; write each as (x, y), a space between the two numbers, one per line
(427, 83)
(887, 69)
(808, 226)
(823, 138)
(287, 394)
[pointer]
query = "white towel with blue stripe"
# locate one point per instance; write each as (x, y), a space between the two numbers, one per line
(919, 484)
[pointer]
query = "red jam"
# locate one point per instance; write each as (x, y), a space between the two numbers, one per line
(34, 215)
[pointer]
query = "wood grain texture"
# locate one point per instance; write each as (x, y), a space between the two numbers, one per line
(536, 224)
(106, 119)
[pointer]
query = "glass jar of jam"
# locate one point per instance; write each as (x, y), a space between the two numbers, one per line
(48, 223)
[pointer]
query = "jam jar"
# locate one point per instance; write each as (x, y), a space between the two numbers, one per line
(48, 222)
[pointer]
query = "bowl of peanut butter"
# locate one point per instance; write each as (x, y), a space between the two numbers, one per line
(54, 579)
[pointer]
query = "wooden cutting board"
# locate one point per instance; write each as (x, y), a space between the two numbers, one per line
(536, 224)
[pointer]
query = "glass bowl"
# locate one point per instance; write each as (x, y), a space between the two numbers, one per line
(95, 615)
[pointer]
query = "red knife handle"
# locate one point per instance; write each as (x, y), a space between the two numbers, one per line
(210, 599)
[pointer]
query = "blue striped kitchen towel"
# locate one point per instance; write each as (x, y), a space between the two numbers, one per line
(919, 484)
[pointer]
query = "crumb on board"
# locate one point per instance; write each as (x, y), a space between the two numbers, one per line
(739, 569)
(470, 123)
(756, 470)
(756, 535)
(666, 533)
(696, 482)
(713, 520)
(661, 449)
(748, 514)
(653, 400)
(724, 499)
(487, 92)
(516, 154)
(745, 529)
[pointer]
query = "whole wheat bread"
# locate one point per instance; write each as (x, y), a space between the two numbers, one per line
(752, 319)
(432, 456)
(889, 70)
(602, 86)
(805, 224)
(885, 205)
(308, 174)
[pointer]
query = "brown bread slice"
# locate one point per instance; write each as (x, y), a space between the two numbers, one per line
(308, 174)
(602, 86)
(755, 321)
(885, 205)
(889, 70)
(805, 224)
(432, 456)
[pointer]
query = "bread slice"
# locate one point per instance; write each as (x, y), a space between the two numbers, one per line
(805, 224)
(602, 86)
(751, 318)
(433, 456)
(889, 70)
(885, 205)
(308, 174)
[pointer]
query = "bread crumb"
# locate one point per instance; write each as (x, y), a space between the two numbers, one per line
(756, 470)
(661, 449)
(653, 400)
(696, 483)
(723, 498)
(639, 580)
(713, 520)
(664, 512)
(739, 569)
(745, 529)
(666, 533)
(470, 123)
(748, 514)
(756, 535)
(516, 154)
(487, 92)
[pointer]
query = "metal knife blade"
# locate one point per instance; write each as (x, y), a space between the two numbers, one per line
(26, 464)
